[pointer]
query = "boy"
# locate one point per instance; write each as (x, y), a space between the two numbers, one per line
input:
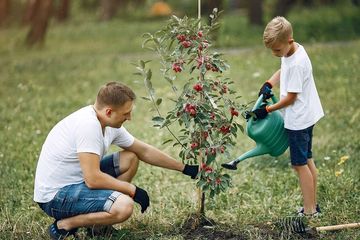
(300, 104)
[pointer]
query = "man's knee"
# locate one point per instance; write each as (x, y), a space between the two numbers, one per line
(122, 208)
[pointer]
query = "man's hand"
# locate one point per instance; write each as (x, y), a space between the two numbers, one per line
(265, 90)
(261, 113)
(142, 198)
(191, 170)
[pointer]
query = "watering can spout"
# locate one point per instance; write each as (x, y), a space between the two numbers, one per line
(258, 150)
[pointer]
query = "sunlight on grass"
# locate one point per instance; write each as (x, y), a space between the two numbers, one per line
(39, 87)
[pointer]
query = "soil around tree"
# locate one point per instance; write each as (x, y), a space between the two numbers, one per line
(195, 228)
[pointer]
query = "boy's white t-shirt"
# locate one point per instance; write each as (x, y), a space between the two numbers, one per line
(296, 77)
(58, 164)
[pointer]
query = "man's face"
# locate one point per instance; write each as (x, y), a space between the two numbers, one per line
(281, 49)
(117, 116)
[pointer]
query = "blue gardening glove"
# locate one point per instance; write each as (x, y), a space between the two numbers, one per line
(261, 113)
(191, 170)
(142, 198)
(265, 90)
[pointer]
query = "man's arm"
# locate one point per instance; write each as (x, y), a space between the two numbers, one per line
(154, 156)
(96, 179)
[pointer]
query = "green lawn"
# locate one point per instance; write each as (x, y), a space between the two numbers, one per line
(41, 86)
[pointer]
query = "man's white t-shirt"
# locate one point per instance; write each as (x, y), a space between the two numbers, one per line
(58, 164)
(296, 77)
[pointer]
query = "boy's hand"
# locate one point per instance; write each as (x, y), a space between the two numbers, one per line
(191, 170)
(261, 113)
(265, 90)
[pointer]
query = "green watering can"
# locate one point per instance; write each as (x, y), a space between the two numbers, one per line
(268, 133)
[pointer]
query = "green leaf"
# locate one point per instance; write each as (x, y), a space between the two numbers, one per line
(167, 141)
(148, 74)
(158, 101)
(146, 98)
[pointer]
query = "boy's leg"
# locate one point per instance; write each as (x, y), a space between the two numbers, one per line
(300, 142)
(313, 170)
(307, 187)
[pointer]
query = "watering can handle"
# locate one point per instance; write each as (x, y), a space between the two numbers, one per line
(260, 100)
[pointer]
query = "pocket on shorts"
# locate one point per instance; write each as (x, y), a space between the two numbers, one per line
(64, 201)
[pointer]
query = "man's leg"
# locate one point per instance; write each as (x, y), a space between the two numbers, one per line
(307, 187)
(129, 164)
(120, 211)
(124, 165)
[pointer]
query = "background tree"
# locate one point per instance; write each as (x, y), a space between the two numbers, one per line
(282, 7)
(62, 11)
(40, 15)
(4, 10)
(255, 12)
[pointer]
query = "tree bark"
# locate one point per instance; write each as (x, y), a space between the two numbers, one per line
(108, 9)
(283, 7)
(62, 13)
(256, 12)
(29, 12)
(4, 10)
(39, 23)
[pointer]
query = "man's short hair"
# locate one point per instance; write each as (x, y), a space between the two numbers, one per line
(114, 94)
(277, 30)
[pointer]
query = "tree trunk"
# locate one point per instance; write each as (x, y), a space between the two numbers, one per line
(108, 9)
(4, 10)
(308, 3)
(256, 12)
(39, 23)
(62, 13)
(29, 12)
(283, 7)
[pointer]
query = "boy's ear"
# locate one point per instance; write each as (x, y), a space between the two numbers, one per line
(291, 40)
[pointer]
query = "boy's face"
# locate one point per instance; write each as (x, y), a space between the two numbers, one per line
(283, 49)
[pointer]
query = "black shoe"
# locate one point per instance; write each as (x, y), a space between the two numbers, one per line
(100, 231)
(301, 210)
(59, 234)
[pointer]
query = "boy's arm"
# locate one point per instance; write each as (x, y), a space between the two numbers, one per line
(275, 78)
(286, 101)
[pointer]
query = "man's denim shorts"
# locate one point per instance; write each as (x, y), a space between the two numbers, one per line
(300, 142)
(78, 199)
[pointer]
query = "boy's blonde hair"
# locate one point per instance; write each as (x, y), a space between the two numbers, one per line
(277, 30)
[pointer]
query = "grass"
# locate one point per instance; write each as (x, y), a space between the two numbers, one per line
(41, 86)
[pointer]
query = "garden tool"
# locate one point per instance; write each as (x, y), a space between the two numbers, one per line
(268, 133)
(296, 224)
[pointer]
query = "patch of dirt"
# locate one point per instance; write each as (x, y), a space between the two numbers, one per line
(205, 228)
(195, 228)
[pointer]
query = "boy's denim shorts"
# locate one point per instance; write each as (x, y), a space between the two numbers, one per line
(300, 142)
(78, 199)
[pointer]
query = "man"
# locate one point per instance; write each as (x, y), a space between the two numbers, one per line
(76, 184)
